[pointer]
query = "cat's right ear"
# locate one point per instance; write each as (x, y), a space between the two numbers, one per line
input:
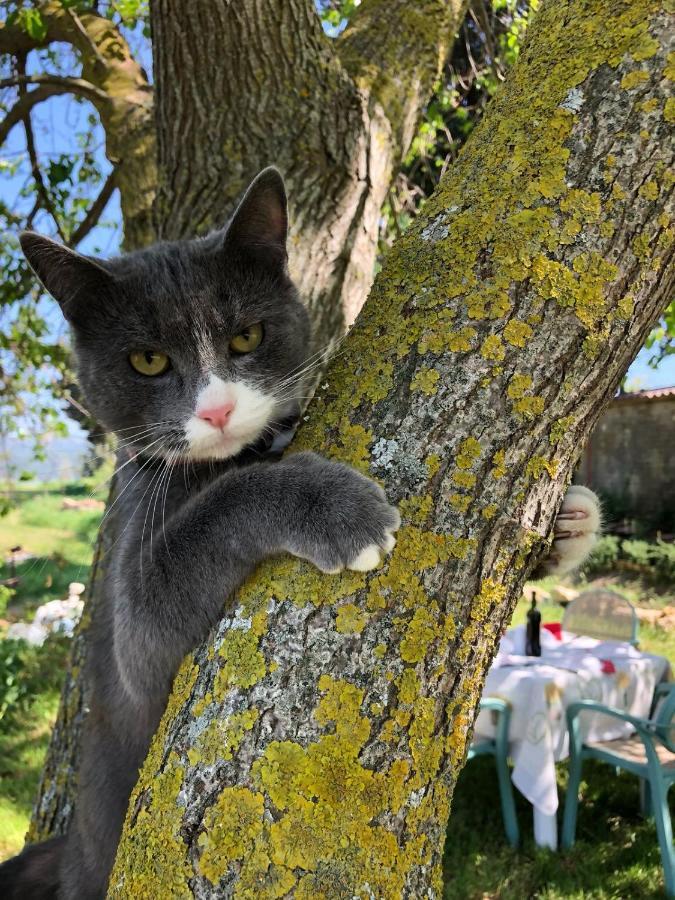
(69, 277)
(259, 226)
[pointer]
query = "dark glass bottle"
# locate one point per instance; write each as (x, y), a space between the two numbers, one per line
(532, 641)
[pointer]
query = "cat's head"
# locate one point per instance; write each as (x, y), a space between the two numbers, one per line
(190, 349)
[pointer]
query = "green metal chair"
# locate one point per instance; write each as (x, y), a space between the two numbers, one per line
(649, 754)
(499, 748)
(602, 614)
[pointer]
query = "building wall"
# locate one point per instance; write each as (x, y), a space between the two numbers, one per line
(631, 456)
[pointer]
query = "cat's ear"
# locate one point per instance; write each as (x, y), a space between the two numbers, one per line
(68, 276)
(259, 226)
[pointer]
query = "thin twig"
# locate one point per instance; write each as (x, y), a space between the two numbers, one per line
(94, 212)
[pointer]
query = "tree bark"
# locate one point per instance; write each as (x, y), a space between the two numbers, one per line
(311, 748)
(258, 83)
(266, 86)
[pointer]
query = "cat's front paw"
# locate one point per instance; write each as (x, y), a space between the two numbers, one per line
(576, 531)
(343, 519)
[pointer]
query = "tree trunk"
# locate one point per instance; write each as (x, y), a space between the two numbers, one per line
(287, 95)
(258, 83)
(312, 747)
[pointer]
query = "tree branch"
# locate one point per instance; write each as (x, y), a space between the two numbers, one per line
(48, 86)
(79, 86)
(94, 212)
(395, 50)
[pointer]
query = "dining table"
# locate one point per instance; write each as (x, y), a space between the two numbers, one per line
(539, 689)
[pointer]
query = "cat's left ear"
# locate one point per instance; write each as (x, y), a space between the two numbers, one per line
(259, 226)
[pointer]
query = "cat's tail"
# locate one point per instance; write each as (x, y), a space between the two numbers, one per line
(34, 873)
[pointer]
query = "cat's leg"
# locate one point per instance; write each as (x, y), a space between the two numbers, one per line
(576, 531)
(316, 509)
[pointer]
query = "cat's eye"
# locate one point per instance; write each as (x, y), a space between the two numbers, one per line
(149, 362)
(248, 340)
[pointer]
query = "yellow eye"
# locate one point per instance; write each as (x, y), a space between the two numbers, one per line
(149, 362)
(248, 340)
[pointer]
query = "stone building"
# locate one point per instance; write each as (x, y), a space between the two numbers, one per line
(630, 459)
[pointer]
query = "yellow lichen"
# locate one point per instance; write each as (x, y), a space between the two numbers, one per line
(633, 79)
(517, 333)
(350, 619)
(493, 348)
(425, 380)
(231, 826)
(498, 464)
(538, 465)
(649, 190)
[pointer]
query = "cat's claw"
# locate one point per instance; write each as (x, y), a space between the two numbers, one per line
(575, 532)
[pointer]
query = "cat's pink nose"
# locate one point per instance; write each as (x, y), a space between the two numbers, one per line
(216, 415)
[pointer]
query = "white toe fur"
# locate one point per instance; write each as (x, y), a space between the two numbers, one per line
(389, 543)
(368, 558)
(569, 554)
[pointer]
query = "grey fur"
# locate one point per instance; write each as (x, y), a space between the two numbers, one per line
(177, 559)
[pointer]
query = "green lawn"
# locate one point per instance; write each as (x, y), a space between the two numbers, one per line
(60, 540)
(616, 855)
(22, 750)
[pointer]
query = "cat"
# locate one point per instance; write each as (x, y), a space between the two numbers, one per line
(196, 355)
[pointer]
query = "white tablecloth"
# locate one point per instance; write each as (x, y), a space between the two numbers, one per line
(539, 690)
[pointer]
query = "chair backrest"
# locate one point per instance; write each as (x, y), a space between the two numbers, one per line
(602, 614)
(665, 719)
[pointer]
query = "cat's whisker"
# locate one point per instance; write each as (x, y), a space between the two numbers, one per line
(118, 470)
(166, 492)
(107, 480)
(133, 477)
(146, 463)
(327, 350)
(145, 425)
(163, 485)
(153, 483)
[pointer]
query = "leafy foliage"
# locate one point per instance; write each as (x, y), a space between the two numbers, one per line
(652, 560)
(662, 338)
(26, 671)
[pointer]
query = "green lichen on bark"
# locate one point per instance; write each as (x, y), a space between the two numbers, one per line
(365, 686)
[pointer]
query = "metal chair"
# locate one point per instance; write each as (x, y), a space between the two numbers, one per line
(498, 747)
(649, 754)
(604, 615)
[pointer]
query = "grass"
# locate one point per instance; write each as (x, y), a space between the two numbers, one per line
(22, 751)
(616, 855)
(60, 540)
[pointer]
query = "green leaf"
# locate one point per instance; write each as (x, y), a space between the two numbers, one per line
(31, 21)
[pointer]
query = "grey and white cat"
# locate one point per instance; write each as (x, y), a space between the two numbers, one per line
(195, 354)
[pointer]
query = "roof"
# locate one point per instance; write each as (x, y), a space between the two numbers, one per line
(652, 394)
